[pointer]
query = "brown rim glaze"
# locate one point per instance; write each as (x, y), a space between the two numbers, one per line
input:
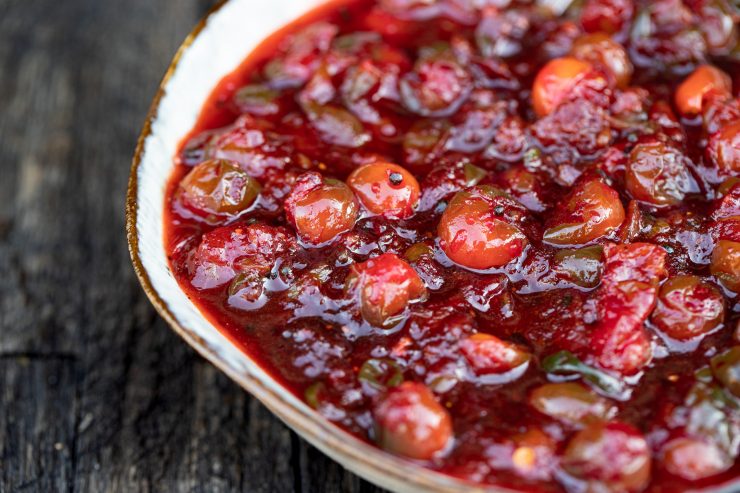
(358, 456)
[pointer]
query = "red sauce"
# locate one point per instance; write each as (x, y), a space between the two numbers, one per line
(501, 241)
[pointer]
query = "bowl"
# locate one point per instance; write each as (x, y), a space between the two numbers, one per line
(215, 48)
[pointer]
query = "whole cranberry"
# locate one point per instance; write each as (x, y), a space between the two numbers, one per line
(609, 16)
(602, 51)
(475, 233)
(590, 211)
(437, 86)
(555, 81)
(725, 264)
(225, 252)
(657, 174)
(218, 187)
(320, 208)
(488, 354)
(723, 148)
(571, 403)
(385, 189)
(702, 81)
(610, 457)
(410, 422)
(693, 459)
(688, 307)
(385, 285)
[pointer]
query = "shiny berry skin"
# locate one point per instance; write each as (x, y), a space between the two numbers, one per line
(590, 211)
(602, 51)
(474, 233)
(385, 286)
(702, 81)
(320, 208)
(385, 189)
(625, 298)
(723, 148)
(688, 307)
(657, 174)
(694, 459)
(225, 252)
(218, 187)
(725, 264)
(554, 82)
(609, 457)
(410, 422)
(609, 16)
(488, 354)
(437, 86)
(571, 403)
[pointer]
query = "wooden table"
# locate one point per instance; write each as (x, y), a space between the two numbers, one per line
(96, 393)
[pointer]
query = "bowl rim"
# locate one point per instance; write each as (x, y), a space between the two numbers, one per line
(371, 463)
(362, 458)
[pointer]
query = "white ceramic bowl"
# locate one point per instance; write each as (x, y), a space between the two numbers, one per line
(213, 50)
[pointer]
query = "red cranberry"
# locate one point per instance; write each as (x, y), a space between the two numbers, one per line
(410, 422)
(320, 209)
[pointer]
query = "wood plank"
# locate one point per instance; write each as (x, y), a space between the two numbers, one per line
(37, 427)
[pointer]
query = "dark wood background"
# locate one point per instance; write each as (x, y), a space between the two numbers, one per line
(96, 393)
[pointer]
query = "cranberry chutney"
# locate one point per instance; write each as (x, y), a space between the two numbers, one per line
(497, 238)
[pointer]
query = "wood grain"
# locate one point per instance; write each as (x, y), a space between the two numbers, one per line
(96, 393)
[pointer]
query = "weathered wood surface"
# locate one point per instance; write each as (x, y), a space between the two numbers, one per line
(96, 393)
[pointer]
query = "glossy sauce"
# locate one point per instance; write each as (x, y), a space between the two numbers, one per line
(541, 298)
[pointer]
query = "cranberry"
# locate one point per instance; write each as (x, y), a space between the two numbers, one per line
(625, 299)
(555, 81)
(694, 459)
(258, 99)
(337, 126)
(227, 251)
(688, 307)
(718, 110)
(726, 369)
(488, 354)
(445, 180)
(252, 144)
(657, 174)
(574, 129)
(502, 33)
(410, 422)
(590, 211)
(320, 209)
(526, 187)
(385, 189)
(475, 233)
(609, 457)
(723, 148)
(437, 86)
(718, 24)
(703, 80)
(385, 286)
(663, 38)
(728, 203)
(581, 267)
(218, 187)
(571, 403)
(609, 16)
(725, 264)
(299, 55)
(602, 51)
(424, 142)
